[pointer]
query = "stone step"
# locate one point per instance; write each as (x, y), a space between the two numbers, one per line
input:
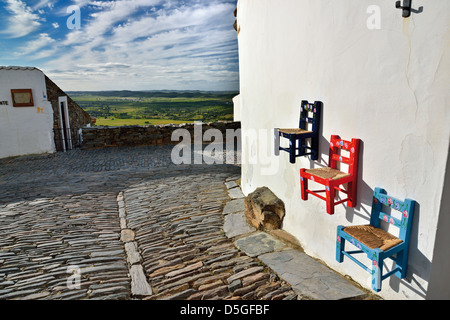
(309, 277)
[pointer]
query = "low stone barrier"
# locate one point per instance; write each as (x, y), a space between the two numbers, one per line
(129, 136)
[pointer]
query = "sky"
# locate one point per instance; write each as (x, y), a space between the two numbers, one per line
(87, 45)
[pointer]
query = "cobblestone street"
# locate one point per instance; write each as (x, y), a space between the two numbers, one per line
(128, 223)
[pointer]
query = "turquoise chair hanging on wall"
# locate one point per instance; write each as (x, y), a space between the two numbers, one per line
(377, 243)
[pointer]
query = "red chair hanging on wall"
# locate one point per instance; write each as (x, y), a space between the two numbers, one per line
(331, 177)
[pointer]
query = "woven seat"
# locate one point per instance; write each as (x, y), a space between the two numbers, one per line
(373, 237)
(294, 131)
(327, 173)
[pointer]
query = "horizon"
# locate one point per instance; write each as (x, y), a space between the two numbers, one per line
(124, 45)
(161, 90)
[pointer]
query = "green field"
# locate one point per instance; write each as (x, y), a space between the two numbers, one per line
(120, 108)
(112, 122)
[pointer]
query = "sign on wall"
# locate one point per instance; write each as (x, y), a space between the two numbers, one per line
(22, 97)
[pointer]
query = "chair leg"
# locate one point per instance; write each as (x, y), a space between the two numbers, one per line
(402, 262)
(301, 149)
(377, 270)
(351, 194)
(330, 193)
(292, 149)
(303, 185)
(340, 245)
(315, 148)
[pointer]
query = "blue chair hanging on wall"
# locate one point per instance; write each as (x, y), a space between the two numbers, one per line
(377, 243)
(309, 126)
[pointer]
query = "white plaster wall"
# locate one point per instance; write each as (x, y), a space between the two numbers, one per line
(237, 108)
(388, 87)
(24, 130)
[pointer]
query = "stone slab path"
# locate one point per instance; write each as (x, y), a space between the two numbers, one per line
(126, 223)
(121, 223)
(309, 277)
(178, 226)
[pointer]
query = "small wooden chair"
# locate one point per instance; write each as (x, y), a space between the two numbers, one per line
(331, 177)
(297, 136)
(377, 243)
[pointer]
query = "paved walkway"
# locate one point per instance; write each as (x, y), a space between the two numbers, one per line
(126, 223)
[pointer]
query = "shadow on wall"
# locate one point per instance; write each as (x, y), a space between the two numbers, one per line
(438, 287)
(364, 193)
(418, 264)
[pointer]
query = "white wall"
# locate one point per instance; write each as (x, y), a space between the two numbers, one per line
(24, 130)
(388, 87)
(237, 108)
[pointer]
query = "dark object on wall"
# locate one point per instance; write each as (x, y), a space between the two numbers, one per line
(406, 7)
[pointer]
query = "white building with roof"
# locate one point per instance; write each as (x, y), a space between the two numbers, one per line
(36, 116)
(26, 116)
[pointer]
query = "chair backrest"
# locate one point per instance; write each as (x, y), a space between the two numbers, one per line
(316, 110)
(336, 145)
(381, 201)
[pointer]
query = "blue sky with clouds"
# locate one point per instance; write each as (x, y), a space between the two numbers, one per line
(124, 44)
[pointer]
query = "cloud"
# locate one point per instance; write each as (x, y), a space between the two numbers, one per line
(55, 25)
(82, 3)
(44, 3)
(22, 20)
(150, 44)
(44, 41)
(164, 21)
(115, 12)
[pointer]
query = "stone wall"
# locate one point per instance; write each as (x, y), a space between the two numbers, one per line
(130, 136)
(77, 116)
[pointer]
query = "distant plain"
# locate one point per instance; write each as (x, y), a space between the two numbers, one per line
(121, 108)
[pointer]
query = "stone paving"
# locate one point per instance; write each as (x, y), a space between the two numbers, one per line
(60, 222)
(178, 224)
(126, 223)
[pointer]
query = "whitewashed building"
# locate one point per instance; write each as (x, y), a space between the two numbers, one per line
(382, 78)
(25, 128)
(36, 116)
